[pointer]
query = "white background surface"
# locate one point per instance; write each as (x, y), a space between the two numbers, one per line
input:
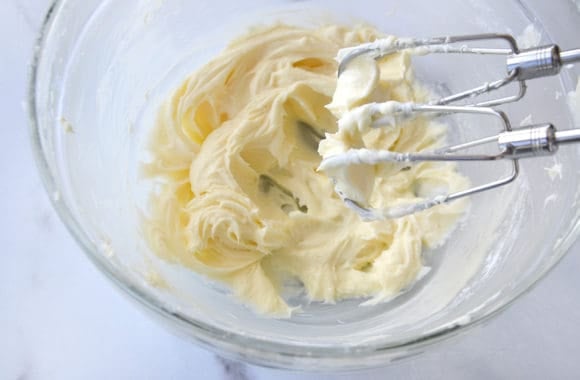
(61, 319)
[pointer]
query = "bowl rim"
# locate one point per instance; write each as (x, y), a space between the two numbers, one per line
(260, 351)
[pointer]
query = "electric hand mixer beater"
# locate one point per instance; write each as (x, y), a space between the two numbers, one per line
(512, 144)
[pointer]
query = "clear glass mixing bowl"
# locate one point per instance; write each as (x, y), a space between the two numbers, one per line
(103, 67)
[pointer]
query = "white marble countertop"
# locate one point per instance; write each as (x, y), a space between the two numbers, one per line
(61, 319)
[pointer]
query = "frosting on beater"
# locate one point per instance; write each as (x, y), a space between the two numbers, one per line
(350, 151)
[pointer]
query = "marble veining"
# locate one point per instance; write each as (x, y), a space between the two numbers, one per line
(233, 370)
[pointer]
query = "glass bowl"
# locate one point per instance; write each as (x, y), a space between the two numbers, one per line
(100, 72)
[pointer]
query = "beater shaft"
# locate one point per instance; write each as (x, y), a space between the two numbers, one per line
(541, 61)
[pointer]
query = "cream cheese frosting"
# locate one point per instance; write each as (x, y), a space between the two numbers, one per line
(238, 195)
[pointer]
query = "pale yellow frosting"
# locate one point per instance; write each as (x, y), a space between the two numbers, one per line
(239, 198)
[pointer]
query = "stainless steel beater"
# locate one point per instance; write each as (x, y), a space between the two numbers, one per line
(521, 65)
(513, 144)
